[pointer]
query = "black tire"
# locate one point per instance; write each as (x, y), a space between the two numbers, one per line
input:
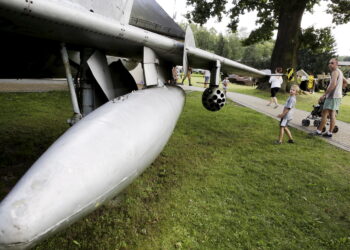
(336, 129)
(324, 130)
(305, 122)
(317, 123)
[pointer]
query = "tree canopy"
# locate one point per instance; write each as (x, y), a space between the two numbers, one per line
(285, 16)
(316, 47)
(231, 46)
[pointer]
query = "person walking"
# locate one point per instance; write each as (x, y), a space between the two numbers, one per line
(188, 75)
(206, 78)
(331, 99)
(311, 83)
(225, 83)
(276, 83)
(287, 115)
(174, 74)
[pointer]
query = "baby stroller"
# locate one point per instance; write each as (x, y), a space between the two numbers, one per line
(316, 116)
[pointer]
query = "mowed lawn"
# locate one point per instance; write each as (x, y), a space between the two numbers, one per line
(220, 183)
(304, 101)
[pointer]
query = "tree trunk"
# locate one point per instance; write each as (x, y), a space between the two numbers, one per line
(287, 43)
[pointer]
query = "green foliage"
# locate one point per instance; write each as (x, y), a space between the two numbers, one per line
(29, 123)
(340, 10)
(268, 13)
(344, 58)
(317, 47)
(258, 55)
(277, 14)
(205, 39)
(231, 46)
(318, 40)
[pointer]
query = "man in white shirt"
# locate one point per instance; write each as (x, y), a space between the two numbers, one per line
(276, 83)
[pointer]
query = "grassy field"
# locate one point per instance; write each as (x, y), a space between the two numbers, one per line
(304, 102)
(220, 183)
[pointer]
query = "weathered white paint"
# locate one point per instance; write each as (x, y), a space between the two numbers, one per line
(89, 164)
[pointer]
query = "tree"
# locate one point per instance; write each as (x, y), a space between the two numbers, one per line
(230, 46)
(285, 16)
(344, 58)
(221, 49)
(316, 47)
(204, 38)
(258, 55)
(235, 47)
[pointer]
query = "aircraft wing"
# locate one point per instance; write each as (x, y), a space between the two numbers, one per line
(202, 59)
(87, 24)
(199, 58)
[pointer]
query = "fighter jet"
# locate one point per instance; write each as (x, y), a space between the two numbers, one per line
(105, 47)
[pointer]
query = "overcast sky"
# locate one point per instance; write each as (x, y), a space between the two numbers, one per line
(319, 19)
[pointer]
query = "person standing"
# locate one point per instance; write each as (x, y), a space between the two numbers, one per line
(174, 74)
(188, 75)
(331, 98)
(276, 83)
(206, 78)
(225, 83)
(311, 83)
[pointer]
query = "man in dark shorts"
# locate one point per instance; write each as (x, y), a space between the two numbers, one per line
(276, 82)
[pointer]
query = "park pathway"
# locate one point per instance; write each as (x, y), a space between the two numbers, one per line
(340, 139)
(32, 85)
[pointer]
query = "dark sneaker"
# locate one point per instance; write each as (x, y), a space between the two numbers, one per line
(315, 133)
(327, 135)
(290, 141)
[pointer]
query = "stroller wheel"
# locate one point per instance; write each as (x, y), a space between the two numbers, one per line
(336, 129)
(317, 123)
(305, 122)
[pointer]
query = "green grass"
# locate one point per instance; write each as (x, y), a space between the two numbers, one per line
(220, 183)
(304, 102)
(29, 123)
